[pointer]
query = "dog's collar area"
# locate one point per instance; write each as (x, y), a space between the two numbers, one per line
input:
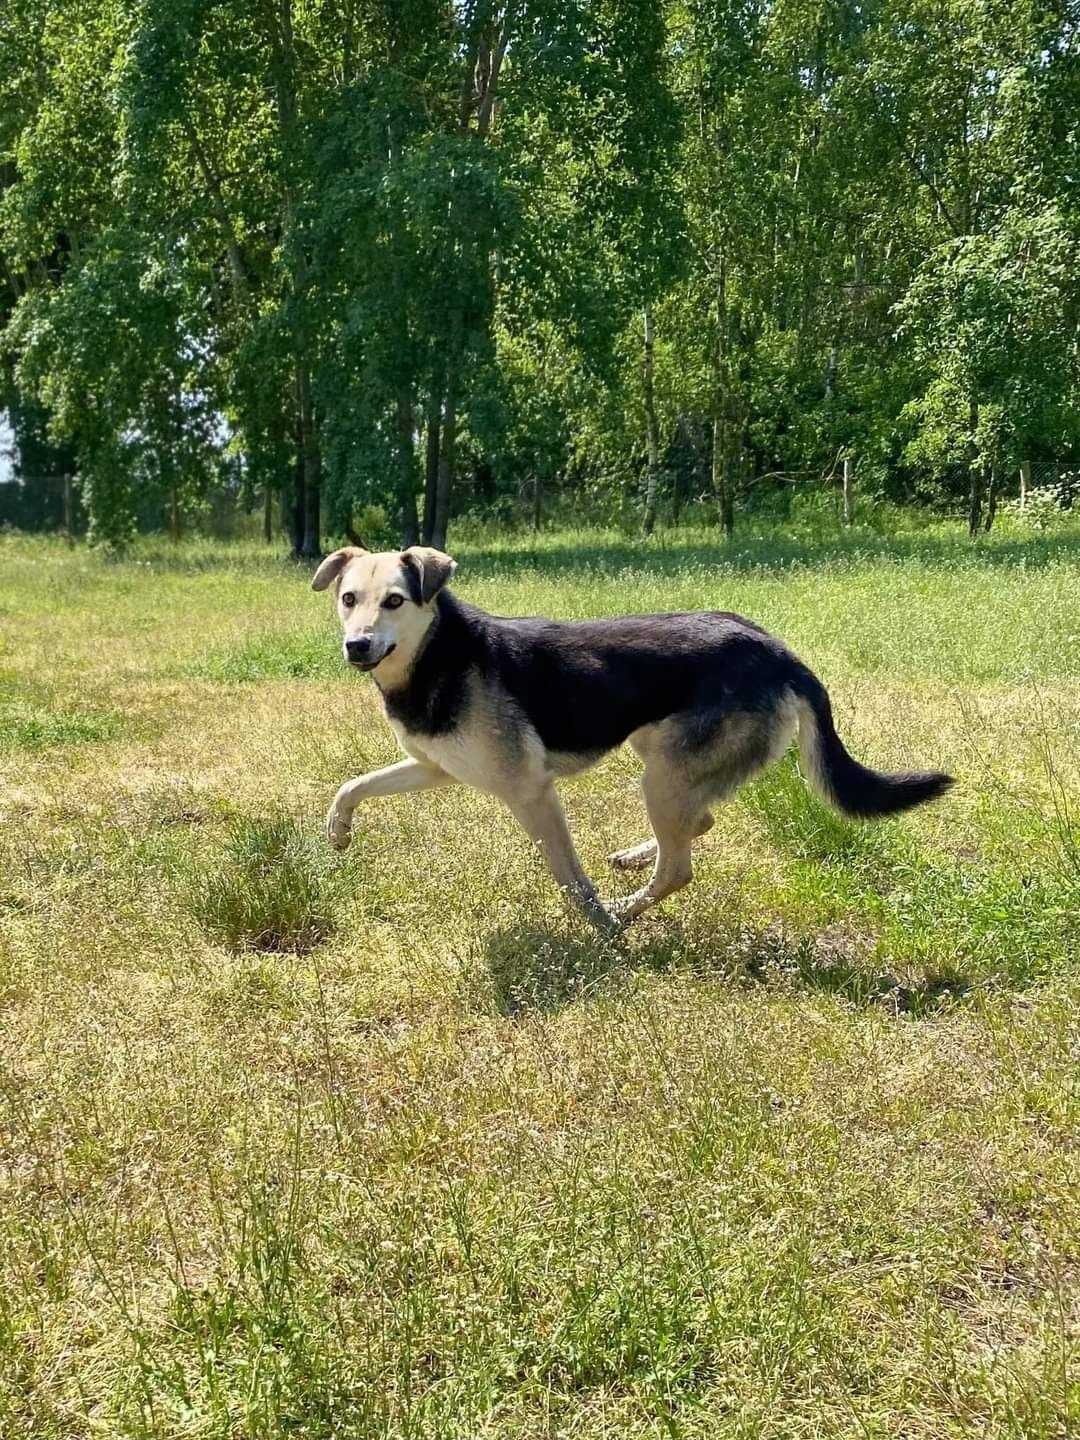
(425, 641)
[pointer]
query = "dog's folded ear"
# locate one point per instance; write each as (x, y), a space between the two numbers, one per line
(333, 565)
(427, 571)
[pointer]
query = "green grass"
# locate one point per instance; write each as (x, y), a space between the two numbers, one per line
(388, 1145)
(274, 888)
(33, 719)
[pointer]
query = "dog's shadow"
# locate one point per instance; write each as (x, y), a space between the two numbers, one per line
(544, 967)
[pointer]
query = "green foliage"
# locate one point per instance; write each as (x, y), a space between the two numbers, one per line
(1045, 509)
(336, 255)
(988, 323)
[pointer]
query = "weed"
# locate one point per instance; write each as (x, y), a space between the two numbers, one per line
(273, 887)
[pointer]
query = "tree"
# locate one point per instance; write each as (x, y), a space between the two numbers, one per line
(989, 314)
(339, 255)
(987, 321)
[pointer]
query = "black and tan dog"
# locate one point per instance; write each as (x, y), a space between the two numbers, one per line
(509, 706)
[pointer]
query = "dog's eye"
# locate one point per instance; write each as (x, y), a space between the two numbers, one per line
(393, 601)
(348, 599)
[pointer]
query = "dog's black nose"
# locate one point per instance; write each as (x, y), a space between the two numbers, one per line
(358, 648)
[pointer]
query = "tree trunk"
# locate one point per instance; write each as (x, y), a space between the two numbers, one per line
(721, 469)
(483, 58)
(991, 500)
(975, 476)
(268, 513)
(311, 549)
(431, 461)
(448, 441)
(975, 499)
(216, 192)
(408, 523)
(652, 441)
(447, 453)
(830, 374)
(849, 499)
(1025, 482)
(293, 245)
(69, 509)
(174, 515)
(294, 507)
(721, 479)
(628, 497)
(310, 464)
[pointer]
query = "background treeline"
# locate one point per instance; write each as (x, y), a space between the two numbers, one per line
(620, 256)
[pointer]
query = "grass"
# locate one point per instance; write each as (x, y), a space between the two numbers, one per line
(387, 1145)
(274, 888)
(31, 718)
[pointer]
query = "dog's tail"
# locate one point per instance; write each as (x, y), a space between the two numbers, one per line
(839, 779)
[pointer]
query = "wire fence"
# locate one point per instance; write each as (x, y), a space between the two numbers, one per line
(53, 503)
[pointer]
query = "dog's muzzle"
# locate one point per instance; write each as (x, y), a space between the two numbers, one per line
(363, 653)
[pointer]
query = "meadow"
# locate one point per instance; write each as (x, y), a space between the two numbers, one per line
(390, 1145)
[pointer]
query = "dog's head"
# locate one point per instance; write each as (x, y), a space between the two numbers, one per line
(385, 601)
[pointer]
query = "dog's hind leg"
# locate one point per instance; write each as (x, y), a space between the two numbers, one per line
(683, 781)
(639, 857)
(652, 744)
(677, 812)
(544, 821)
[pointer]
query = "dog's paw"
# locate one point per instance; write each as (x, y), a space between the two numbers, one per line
(604, 916)
(637, 857)
(338, 829)
(620, 911)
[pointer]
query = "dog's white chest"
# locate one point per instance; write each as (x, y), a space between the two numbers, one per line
(463, 756)
(487, 751)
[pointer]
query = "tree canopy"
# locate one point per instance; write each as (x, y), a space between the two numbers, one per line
(329, 255)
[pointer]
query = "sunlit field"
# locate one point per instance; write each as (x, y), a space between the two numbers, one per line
(390, 1145)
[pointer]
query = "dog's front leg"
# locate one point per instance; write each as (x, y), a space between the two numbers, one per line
(544, 821)
(391, 780)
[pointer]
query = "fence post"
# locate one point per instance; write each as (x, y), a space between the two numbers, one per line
(849, 502)
(1025, 482)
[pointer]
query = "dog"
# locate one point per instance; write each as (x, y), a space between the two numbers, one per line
(510, 706)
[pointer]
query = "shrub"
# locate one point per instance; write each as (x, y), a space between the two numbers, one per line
(1047, 507)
